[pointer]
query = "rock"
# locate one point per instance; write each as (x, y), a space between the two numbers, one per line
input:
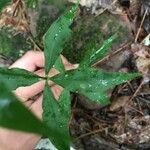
(90, 32)
(99, 6)
(88, 104)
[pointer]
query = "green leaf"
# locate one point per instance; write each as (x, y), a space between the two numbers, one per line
(56, 36)
(96, 54)
(56, 115)
(32, 3)
(3, 3)
(18, 77)
(59, 65)
(14, 115)
(91, 82)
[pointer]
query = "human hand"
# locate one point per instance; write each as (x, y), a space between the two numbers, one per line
(32, 61)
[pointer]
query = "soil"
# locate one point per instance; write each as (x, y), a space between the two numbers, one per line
(125, 123)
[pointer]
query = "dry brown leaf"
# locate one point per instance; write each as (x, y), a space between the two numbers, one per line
(119, 103)
(14, 16)
(142, 55)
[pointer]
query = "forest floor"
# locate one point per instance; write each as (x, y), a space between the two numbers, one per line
(125, 123)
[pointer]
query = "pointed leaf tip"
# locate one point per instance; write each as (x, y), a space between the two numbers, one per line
(97, 54)
(56, 36)
(91, 82)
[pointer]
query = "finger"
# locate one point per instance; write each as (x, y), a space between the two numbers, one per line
(67, 63)
(36, 107)
(30, 61)
(29, 91)
(64, 60)
(56, 89)
(24, 93)
(17, 140)
(71, 66)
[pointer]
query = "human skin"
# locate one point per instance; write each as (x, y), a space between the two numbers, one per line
(32, 61)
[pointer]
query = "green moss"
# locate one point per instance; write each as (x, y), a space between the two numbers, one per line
(45, 20)
(48, 12)
(5, 43)
(13, 46)
(90, 32)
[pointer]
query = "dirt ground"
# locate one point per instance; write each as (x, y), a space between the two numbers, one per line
(125, 124)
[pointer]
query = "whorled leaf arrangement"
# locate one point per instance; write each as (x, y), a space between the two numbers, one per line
(86, 80)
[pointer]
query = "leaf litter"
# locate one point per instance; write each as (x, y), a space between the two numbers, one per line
(125, 123)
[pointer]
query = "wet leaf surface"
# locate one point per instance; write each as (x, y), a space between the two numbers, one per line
(93, 55)
(18, 77)
(56, 115)
(92, 83)
(59, 65)
(56, 36)
(14, 115)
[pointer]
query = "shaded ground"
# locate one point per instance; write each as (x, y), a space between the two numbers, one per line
(125, 124)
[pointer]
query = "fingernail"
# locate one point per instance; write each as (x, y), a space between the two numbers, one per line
(76, 65)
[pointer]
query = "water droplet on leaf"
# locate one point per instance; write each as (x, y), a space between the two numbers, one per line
(56, 35)
(66, 75)
(90, 85)
(83, 86)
